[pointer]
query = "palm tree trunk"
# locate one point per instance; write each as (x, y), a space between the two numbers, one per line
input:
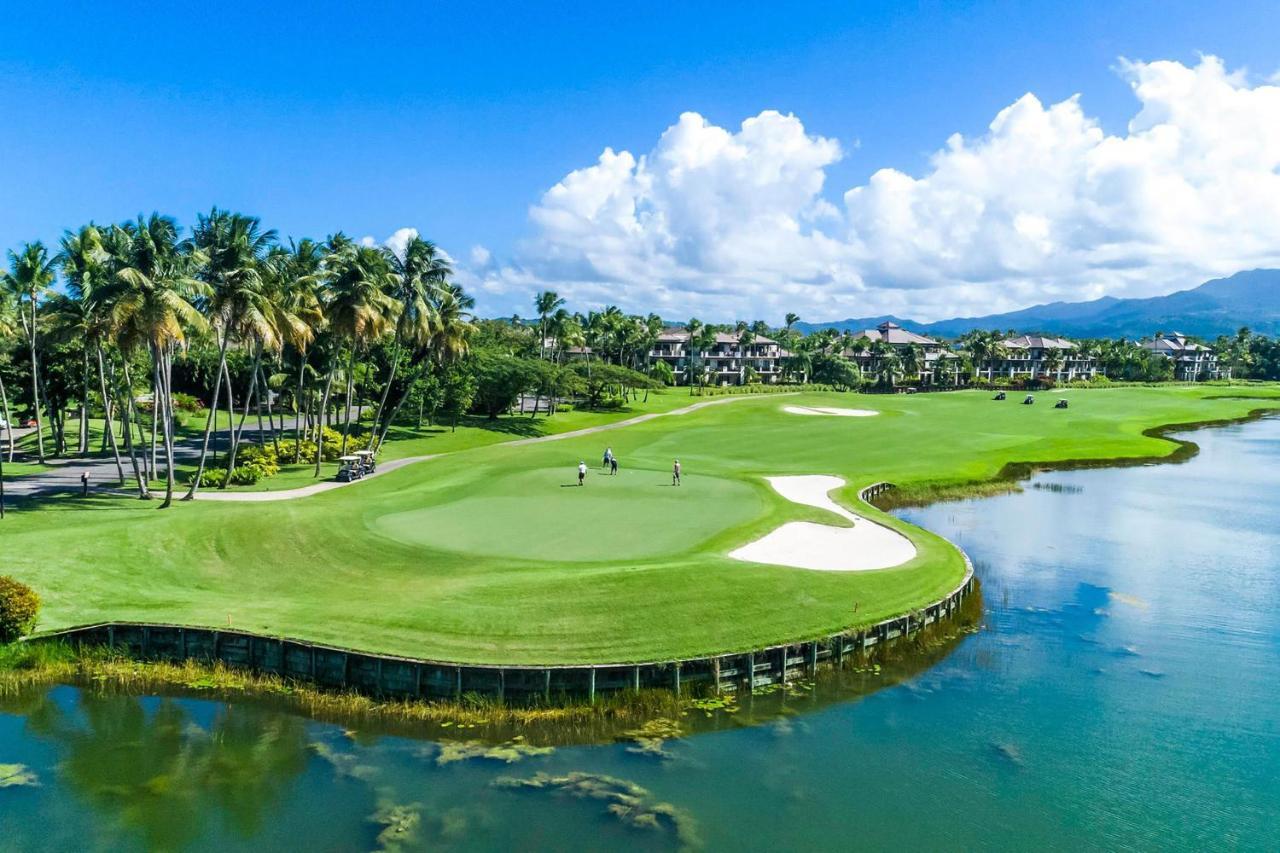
(213, 416)
(324, 403)
(83, 445)
(257, 402)
(139, 472)
(351, 376)
(164, 372)
(35, 378)
(108, 428)
(155, 417)
(8, 421)
(235, 434)
(297, 408)
(378, 431)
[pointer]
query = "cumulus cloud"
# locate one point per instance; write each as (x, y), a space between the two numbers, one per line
(1044, 205)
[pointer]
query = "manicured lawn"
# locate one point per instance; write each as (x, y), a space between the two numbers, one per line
(487, 555)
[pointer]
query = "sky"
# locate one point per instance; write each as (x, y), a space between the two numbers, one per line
(726, 160)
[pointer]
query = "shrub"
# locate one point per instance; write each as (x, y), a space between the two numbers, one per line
(244, 475)
(213, 478)
(186, 403)
(261, 459)
(19, 606)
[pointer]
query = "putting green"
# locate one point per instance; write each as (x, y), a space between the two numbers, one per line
(487, 555)
(544, 514)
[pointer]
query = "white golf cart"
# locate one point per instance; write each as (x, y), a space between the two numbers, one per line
(350, 468)
(367, 461)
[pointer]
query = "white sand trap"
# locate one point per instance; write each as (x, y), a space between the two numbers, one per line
(805, 545)
(828, 410)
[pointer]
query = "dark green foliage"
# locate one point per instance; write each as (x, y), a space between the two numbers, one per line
(19, 606)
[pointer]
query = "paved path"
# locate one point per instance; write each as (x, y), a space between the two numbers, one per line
(384, 467)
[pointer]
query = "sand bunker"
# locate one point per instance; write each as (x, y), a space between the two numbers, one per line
(805, 545)
(827, 410)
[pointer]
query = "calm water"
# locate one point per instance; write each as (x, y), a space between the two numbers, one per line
(1124, 694)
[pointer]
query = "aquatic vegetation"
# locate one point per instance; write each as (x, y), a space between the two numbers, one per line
(651, 738)
(709, 705)
(400, 825)
(17, 775)
(1009, 752)
(630, 803)
(509, 752)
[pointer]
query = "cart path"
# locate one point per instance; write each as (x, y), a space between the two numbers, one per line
(385, 467)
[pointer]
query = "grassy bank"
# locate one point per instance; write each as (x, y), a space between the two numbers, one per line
(492, 554)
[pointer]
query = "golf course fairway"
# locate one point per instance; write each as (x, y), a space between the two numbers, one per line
(494, 554)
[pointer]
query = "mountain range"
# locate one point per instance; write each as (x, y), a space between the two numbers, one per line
(1217, 307)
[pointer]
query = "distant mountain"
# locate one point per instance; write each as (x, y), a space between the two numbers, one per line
(1217, 307)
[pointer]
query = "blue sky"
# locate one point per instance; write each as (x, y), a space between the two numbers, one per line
(455, 120)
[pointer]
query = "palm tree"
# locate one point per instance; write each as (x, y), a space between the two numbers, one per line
(791, 320)
(233, 247)
(152, 298)
(912, 360)
(420, 273)
(30, 273)
(1051, 361)
(360, 307)
(545, 303)
(692, 327)
(703, 341)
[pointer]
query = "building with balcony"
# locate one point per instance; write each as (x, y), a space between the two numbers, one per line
(1192, 362)
(727, 362)
(1040, 357)
(933, 355)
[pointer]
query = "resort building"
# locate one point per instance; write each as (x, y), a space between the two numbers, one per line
(1040, 356)
(932, 355)
(1192, 362)
(727, 362)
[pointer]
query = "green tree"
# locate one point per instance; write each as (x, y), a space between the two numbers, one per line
(30, 273)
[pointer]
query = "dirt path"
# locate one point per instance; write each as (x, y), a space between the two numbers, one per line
(384, 467)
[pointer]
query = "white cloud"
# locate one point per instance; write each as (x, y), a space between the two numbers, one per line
(397, 241)
(1044, 205)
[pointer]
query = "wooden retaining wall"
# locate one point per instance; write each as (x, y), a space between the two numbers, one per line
(392, 676)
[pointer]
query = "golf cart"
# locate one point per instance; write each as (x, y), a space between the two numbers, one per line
(350, 468)
(999, 396)
(1028, 400)
(367, 461)
(1061, 404)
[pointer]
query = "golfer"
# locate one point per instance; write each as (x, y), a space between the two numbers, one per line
(675, 473)
(613, 465)
(582, 472)
(608, 457)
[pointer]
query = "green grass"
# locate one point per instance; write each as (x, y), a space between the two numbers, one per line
(485, 556)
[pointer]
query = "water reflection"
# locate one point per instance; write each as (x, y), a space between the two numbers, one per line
(160, 772)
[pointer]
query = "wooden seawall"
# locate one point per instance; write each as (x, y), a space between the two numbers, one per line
(394, 676)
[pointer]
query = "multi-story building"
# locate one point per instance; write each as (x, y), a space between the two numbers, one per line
(1040, 356)
(933, 354)
(1192, 362)
(725, 363)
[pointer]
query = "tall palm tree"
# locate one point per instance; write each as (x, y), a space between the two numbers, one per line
(704, 341)
(152, 297)
(234, 248)
(450, 341)
(790, 320)
(360, 307)
(420, 272)
(691, 353)
(30, 273)
(545, 303)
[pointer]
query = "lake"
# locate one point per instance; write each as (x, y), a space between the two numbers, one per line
(1123, 693)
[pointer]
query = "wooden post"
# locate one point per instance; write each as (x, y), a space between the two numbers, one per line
(546, 684)
(346, 669)
(502, 684)
(111, 636)
(751, 670)
(715, 669)
(839, 649)
(676, 667)
(417, 680)
(458, 690)
(182, 638)
(217, 641)
(313, 663)
(591, 689)
(635, 679)
(146, 640)
(379, 689)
